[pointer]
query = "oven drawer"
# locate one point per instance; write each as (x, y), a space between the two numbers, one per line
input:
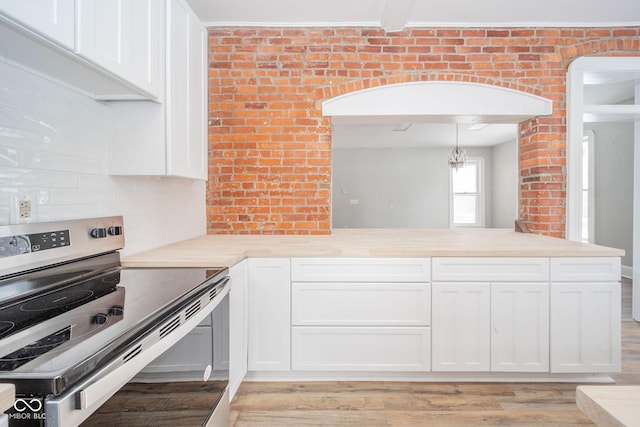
(377, 349)
(361, 304)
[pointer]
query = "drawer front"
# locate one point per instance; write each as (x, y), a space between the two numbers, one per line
(361, 349)
(590, 269)
(361, 269)
(476, 269)
(361, 304)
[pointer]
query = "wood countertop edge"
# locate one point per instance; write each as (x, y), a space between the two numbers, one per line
(7, 396)
(610, 406)
(165, 260)
(228, 250)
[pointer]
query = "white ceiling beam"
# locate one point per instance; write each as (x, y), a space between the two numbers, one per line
(396, 14)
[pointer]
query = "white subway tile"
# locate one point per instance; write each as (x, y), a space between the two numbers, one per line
(54, 145)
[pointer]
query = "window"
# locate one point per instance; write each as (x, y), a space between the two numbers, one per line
(467, 197)
(588, 209)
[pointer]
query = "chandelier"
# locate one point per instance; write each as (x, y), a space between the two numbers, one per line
(457, 157)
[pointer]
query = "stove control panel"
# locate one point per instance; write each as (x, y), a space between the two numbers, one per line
(31, 245)
(26, 243)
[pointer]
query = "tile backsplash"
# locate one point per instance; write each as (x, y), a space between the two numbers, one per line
(54, 153)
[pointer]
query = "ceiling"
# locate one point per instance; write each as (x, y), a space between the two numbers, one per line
(394, 15)
(420, 135)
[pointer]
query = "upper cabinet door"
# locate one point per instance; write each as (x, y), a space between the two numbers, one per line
(123, 37)
(186, 93)
(53, 19)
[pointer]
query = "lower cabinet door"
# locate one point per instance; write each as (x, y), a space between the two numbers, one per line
(269, 340)
(361, 348)
(461, 321)
(585, 327)
(520, 327)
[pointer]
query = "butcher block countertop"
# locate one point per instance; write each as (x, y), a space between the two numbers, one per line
(227, 250)
(610, 406)
(7, 397)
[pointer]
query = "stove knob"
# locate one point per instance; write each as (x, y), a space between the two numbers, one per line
(115, 230)
(98, 233)
(116, 310)
(99, 319)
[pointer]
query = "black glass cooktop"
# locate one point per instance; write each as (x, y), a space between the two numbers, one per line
(57, 324)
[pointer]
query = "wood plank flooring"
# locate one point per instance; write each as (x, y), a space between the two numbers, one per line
(377, 404)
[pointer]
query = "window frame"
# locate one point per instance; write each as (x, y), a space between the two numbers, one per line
(480, 214)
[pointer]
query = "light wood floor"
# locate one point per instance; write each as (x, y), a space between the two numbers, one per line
(377, 404)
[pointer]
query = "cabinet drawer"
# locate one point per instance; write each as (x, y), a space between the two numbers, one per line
(361, 304)
(361, 269)
(361, 349)
(476, 269)
(590, 269)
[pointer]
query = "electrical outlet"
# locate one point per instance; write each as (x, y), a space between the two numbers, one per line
(24, 209)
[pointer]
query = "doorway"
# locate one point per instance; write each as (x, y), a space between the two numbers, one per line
(603, 96)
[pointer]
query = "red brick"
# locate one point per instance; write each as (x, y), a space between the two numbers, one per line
(270, 146)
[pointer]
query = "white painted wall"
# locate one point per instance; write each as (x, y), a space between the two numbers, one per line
(53, 147)
(505, 184)
(614, 186)
(409, 187)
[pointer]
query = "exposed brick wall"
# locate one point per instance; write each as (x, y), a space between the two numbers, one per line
(270, 147)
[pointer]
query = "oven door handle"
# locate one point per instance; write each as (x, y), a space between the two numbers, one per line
(120, 372)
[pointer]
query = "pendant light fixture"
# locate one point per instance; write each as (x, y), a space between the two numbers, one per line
(457, 157)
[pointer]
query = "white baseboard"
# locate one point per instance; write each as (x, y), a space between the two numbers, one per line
(627, 272)
(516, 377)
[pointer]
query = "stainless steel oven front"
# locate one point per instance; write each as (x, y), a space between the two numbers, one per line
(158, 386)
(80, 334)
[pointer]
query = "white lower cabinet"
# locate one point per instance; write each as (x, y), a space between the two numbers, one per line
(366, 348)
(498, 327)
(585, 315)
(520, 327)
(450, 315)
(585, 327)
(361, 314)
(460, 322)
(238, 325)
(490, 314)
(269, 314)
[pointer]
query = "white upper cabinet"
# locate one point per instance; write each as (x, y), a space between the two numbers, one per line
(53, 19)
(107, 50)
(168, 139)
(124, 37)
(186, 93)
